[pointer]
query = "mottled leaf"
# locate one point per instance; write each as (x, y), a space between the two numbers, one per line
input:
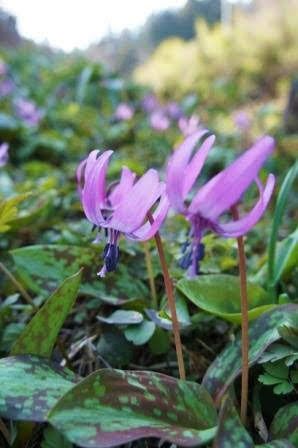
(40, 335)
(262, 333)
(122, 317)
(277, 444)
(285, 424)
(220, 295)
(231, 433)
(30, 386)
(113, 407)
(43, 267)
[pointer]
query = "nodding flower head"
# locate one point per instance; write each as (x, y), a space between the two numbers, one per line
(219, 194)
(122, 207)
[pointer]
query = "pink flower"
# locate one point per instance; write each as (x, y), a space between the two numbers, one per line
(159, 121)
(219, 194)
(28, 112)
(124, 112)
(189, 125)
(150, 103)
(242, 120)
(122, 208)
(4, 147)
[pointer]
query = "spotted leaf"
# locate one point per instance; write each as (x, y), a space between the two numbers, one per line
(30, 386)
(39, 336)
(113, 407)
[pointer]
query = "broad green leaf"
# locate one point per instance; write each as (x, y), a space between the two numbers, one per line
(113, 407)
(140, 334)
(43, 267)
(30, 386)
(9, 210)
(231, 433)
(285, 423)
(262, 333)
(220, 295)
(122, 317)
(276, 264)
(54, 439)
(40, 334)
(287, 256)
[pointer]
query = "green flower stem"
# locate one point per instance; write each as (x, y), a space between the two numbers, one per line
(148, 261)
(171, 301)
(244, 322)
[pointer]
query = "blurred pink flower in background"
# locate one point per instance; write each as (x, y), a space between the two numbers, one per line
(173, 110)
(28, 112)
(4, 147)
(6, 87)
(159, 121)
(242, 120)
(189, 125)
(124, 112)
(150, 103)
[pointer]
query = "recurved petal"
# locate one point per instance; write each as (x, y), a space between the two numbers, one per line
(194, 167)
(243, 225)
(148, 230)
(132, 210)
(80, 174)
(227, 187)
(123, 187)
(176, 170)
(93, 193)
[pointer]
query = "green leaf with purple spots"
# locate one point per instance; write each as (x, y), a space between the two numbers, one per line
(43, 267)
(30, 387)
(113, 407)
(40, 335)
(220, 295)
(262, 333)
(231, 433)
(285, 424)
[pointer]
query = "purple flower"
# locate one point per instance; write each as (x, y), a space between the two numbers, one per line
(4, 154)
(159, 121)
(124, 112)
(242, 120)
(219, 194)
(28, 112)
(121, 208)
(189, 126)
(6, 87)
(173, 110)
(150, 103)
(3, 68)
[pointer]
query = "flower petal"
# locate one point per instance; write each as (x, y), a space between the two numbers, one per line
(194, 167)
(132, 210)
(176, 170)
(93, 193)
(226, 188)
(148, 230)
(243, 225)
(123, 187)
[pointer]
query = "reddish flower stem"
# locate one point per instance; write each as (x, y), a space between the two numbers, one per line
(171, 301)
(244, 322)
